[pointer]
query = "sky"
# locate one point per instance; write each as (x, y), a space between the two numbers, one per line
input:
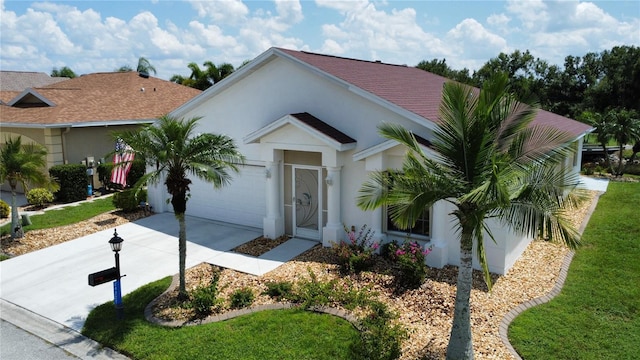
(102, 36)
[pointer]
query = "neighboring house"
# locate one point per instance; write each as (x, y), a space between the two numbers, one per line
(308, 126)
(73, 118)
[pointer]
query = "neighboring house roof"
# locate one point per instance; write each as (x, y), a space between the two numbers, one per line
(95, 100)
(20, 80)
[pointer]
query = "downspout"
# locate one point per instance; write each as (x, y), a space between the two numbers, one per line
(64, 144)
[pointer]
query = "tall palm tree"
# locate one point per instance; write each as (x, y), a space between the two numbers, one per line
(491, 163)
(173, 151)
(24, 165)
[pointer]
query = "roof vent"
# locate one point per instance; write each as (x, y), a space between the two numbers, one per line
(144, 75)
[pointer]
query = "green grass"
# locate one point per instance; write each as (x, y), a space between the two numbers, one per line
(277, 334)
(597, 314)
(66, 215)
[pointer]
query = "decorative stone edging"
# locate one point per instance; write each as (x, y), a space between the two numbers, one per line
(503, 329)
(148, 311)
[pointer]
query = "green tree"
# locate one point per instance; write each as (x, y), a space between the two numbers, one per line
(144, 66)
(172, 149)
(491, 163)
(441, 68)
(124, 68)
(625, 129)
(65, 71)
(603, 130)
(204, 79)
(24, 165)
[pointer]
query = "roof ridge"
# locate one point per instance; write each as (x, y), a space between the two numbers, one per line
(347, 58)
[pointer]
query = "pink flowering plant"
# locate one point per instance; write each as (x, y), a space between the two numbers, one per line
(356, 254)
(410, 258)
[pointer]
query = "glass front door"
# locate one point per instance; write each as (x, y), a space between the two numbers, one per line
(306, 195)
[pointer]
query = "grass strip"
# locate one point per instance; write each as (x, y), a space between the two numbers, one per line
(277, 334)
(597, 314)
(66, 215)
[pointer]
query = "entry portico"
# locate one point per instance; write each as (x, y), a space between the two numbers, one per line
(303, 160)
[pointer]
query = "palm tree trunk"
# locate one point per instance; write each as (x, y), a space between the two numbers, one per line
(182, 249)
(460, 343)
(620, 159)
(16, 226)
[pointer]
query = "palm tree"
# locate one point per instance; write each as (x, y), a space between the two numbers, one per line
(624, 128)
(24, 165)
(217, 73)
(604, 132)
(172, 149)
(144, 66)
(491, 163)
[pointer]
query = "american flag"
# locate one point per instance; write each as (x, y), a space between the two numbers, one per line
(122, 160)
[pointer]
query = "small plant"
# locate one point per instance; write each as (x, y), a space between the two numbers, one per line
(204, 299)
(313, 292)
(242, 298)
(39, 197)
(5, 209)
(356, 255)
(279, 289)
(380, 339)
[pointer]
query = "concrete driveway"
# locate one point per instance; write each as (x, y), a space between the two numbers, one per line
(53, 282)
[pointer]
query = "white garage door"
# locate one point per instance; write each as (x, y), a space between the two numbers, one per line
(241, 202)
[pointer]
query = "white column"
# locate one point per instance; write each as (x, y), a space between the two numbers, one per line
(439, 231)
(333, 231)
(273, 223)
(376, 225)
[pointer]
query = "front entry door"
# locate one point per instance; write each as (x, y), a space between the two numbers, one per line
(306, 195)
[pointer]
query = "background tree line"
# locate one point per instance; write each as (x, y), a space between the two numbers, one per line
(595, 82)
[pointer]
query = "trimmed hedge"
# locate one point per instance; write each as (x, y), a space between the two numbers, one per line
(127, 199)
(73, 182)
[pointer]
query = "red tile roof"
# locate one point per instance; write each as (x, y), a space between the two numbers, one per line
(99, 98)
(408, 87)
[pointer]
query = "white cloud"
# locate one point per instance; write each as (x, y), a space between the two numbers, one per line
(474, 43)
(499, 21)
(221, 11)
(556, 29)
(365, 31)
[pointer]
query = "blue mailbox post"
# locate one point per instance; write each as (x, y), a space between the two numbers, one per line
(116, 246)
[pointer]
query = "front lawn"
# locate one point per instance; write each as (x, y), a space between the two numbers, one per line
(277, 334)
(597, 314)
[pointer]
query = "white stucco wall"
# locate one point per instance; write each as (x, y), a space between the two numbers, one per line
(279, 88)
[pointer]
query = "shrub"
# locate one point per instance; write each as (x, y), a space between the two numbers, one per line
(313, 292)
(356, 255)
(5, 209)
(39, 197)
(128, 201)
(410, 259)
(204, 299)
(279, 289)
(380, 339)
(73, 182)
(242, 298)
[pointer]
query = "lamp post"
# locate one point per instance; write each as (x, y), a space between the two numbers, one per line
(116, 246)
